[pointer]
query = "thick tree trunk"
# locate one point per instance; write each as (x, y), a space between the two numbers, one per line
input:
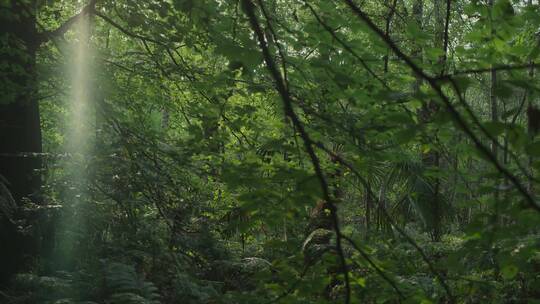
(20, 134)
(20, 131)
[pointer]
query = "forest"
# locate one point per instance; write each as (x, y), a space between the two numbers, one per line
(269, 151)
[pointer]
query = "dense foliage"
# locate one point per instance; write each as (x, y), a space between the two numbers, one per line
(278, 151)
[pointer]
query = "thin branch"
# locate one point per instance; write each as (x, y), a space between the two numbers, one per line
(477, 122)
(345, 46)
(275, 38)
(460, 121)
(506, 67)
(308, 143)
(292, 287)
(377, 268)
(62, 29)
(370, 193)
(125, 31)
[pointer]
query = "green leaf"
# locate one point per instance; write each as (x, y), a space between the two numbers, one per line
(434, 53)
(237, 53)
(509, 271)
(494, 128)
(414, 30)
(183, 5)
(504, 90)
(361, 282)
(533, 149)
(399, 118)
(405, 135)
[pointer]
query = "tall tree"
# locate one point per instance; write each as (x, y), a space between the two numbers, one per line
(428, 196)
(20, 131)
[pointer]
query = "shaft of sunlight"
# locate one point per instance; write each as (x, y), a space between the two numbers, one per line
(77, 144)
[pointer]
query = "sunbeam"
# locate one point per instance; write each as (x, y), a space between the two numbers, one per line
(78, 143)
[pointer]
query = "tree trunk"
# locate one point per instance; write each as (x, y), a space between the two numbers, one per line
(20, 131)
(430, 159)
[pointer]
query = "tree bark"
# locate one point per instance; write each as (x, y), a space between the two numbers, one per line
(20, 131)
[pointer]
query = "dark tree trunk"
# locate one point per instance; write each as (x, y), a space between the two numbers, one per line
(20, 131)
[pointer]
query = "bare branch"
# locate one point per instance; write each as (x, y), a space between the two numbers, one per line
(61, 30)
(308, 142)
(364, 183)
(345, 46)
(460, 121)
(125, 31)
(377, 268)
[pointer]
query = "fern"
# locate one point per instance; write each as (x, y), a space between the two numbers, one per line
(128, 298)
(191, 290)
(122, 286)
(127, 287)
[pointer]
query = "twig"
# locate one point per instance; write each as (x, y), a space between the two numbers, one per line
(275, 38)
(431, 267)
(377, 268)
(345, 46)
(308, 143)
(433, 83)
(62, 29)
(125, 31)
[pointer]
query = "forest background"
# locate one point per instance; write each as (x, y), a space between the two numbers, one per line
(269, 151)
